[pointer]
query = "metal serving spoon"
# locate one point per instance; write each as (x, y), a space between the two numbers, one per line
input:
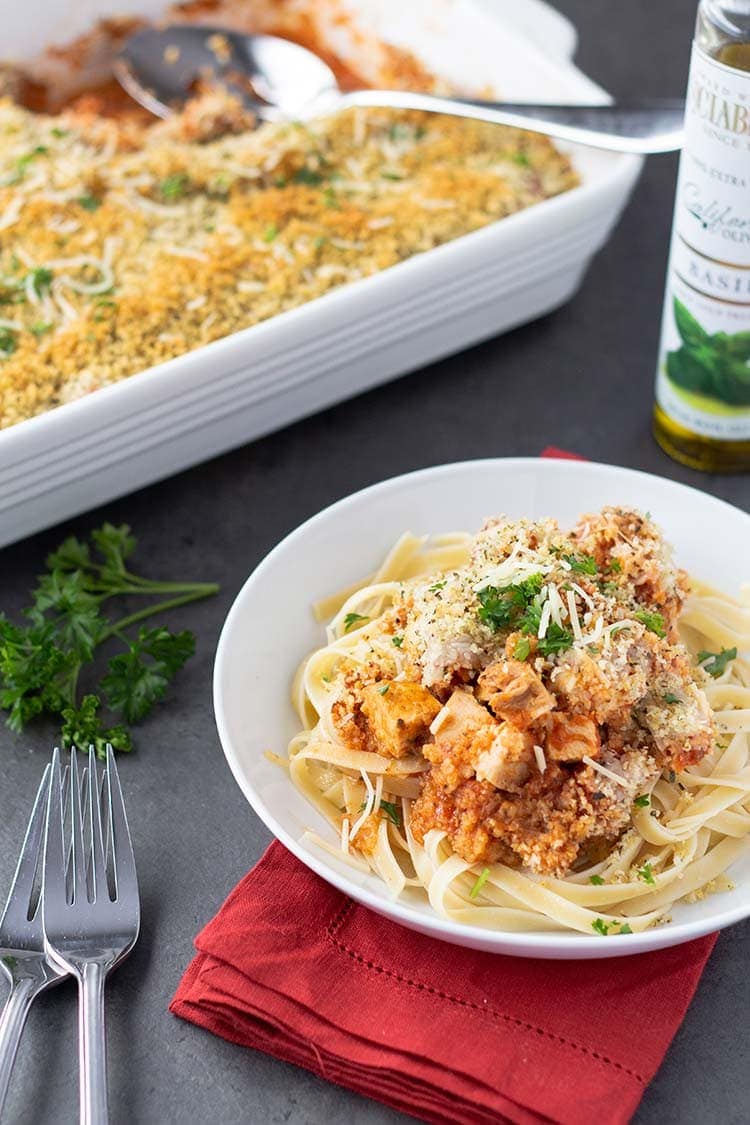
(279, 80)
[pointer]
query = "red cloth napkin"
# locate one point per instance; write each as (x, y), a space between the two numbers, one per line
(293, 967)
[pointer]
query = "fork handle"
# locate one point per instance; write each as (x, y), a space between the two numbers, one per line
(12, 1022)
(92, 1045)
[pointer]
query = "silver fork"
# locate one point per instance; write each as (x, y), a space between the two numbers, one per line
(93, 922)
(22, 956)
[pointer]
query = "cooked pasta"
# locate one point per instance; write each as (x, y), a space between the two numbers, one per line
(537, 730)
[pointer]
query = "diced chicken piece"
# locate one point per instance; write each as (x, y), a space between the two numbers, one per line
(515, 692)
(683, 730)
(606, 691)
(398, 716)
(571, 738)
(628, 547)
(460, 716)
(507, 762)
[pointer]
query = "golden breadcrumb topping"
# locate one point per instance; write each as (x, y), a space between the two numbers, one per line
(124, 245)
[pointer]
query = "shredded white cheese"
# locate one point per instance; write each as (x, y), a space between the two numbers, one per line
(603, 770)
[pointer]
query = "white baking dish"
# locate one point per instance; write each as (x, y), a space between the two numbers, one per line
(355, 337)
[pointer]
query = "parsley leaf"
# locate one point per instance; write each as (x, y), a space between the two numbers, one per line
(646, 874)
(522, 649)
(397, 641)
(643, 801)
(270, 232)
(82, 727)
(670, 697)
(392, 811)
(596, 880)
(481, 880)
(584, 564)
(653, 621)
(138, 678)
(62, 600)
(307, 176)
(351, 620)
(625, 929)
(556, 640)
(8, 341)
(174, 187)
(601, 926)
(715, 663)
(503, 606)
(90, 202)
(41, 280)
(437, 586)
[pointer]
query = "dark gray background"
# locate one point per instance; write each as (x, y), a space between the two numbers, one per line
(580, 378)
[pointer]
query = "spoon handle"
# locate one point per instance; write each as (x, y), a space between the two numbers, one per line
(638, 127)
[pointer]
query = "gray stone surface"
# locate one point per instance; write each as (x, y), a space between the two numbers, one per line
(580, 378)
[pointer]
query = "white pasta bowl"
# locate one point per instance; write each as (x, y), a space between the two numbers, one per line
(270, 628)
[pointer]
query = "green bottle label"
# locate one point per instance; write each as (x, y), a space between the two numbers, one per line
(703, 379)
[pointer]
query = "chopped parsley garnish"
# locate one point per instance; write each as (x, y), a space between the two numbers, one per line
(59, 133)
(670, 697)
(596, 880)
(89, 202)
(329, 198)
(584, 564)
(41, 280)
(715, 663)
(501, 607)
(351, 620)
(521, 159)
(653, 621)
(522, 649)
(481, 880)
(608, 588)
(384, 689)
(556, 640)
(8, 342)
(397, 641)
(625, 929)
(174, 187)
(40, 328)
(643, 801)
(646, 874)
(392, 811)
(614, 566)
(391, 176)
(307, 176)
(437, 586)
(601, 926)
(270, 232)
(23, 162)
(520, 607)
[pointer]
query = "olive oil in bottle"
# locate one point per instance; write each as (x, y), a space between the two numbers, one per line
(702, 412)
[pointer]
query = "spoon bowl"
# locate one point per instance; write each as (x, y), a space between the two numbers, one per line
(280, 81)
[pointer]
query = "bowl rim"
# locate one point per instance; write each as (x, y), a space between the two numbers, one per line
(549, 944)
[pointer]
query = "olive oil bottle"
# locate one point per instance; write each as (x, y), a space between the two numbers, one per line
(702, 412)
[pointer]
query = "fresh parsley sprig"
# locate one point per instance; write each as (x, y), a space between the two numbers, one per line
(68, 623)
